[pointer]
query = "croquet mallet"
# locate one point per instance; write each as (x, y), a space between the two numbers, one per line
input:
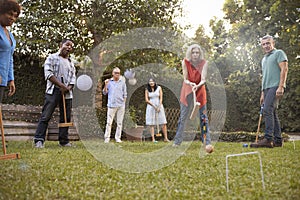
(6, 156)
(204, 131)
(65, 124)
(196, 107)
(197, 104)
(259, 121)
(158, 134)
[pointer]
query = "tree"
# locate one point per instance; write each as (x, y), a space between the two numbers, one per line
(250, 20)
(115, 16)
(221, 55)
(43, 24)
(202, 39)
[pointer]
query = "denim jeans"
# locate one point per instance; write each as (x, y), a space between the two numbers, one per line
(272, 122)
(185, 114)
(51, 101)
(111, 112)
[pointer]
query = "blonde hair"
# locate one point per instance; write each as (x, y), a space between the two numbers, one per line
(188, 54)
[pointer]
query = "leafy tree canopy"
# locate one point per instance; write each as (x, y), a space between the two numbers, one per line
(44, 23)
(115, 16)
(237, 53)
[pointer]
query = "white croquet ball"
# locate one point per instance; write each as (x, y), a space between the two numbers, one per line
(209, 148)
(84, 82)
(132, 81)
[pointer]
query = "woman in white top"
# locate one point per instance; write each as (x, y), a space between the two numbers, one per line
(155, 113)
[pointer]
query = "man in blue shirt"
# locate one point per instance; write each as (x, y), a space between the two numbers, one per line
(116, 90)
(274, 74)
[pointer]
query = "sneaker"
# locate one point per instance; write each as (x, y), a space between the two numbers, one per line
(175, 145)
(39, 144)
(66, 145)
(263, 143)
(118, 141)
(106, 140)
(277, 144)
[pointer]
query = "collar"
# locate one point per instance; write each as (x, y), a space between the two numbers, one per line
(112, 79)
(57, 54)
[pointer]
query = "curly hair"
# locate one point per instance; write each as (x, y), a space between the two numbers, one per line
(189, 51)
(7, 6)
(64, 40)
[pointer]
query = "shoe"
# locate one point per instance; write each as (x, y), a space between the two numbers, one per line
(118, 141)
(277, 144)
(39, 144)
(66, 145)
(106, 141)
(263, 143)
(154, 141)
(166, 140)
(175, 145)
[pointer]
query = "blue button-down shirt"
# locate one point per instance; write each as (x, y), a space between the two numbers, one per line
(117, 93)
(6, 57)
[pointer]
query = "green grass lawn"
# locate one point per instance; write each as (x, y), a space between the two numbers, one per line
(74, 173)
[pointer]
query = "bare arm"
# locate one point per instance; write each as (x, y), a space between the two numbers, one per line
(203, 77)
(12, 88)
(185, 75)
(283, 75)
(160, 96)
(149, 102)
(147, 99)
(184, 71)
(105, 86)
(261, 101)
(204, 72)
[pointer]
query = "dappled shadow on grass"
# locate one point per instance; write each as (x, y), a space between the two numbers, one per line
(73, 173)
(136, 157)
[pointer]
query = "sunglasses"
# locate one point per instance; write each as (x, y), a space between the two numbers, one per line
(116, 72)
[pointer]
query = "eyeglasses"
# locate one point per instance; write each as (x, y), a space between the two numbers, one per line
(116, 72)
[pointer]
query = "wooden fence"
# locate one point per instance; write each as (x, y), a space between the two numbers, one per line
(216, 119)
(28, 116)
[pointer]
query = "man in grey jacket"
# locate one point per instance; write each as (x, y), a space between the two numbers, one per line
(59, 72)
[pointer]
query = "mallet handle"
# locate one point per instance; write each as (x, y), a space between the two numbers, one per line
(196, 105)
(259, 121)
(64, 104)
(2, 132)
(64, 101)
